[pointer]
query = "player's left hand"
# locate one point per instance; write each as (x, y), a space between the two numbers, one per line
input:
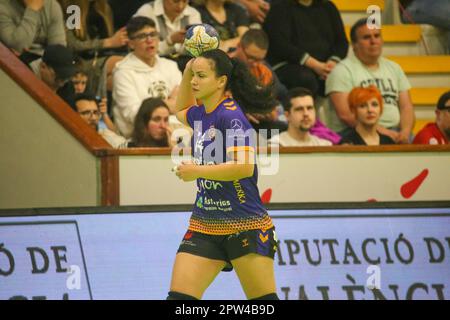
(187, 171)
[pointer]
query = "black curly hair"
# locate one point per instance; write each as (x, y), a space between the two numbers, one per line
(251, 96)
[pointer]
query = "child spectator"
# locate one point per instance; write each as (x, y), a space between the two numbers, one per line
(79, 81)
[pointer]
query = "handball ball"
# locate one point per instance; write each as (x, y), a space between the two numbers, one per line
(200, 38)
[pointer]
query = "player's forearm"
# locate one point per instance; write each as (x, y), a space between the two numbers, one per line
(185, 96)
(226, 171)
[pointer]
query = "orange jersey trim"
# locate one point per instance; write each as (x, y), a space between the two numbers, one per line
(217, 105)
(240, 148)
(220, 228)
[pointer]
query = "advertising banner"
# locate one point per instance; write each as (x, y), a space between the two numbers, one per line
(392, 254)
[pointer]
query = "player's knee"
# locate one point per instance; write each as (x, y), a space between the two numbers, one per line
(173, 295)
(270, 296)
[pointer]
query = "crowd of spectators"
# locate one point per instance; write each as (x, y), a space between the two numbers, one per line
(118, 64)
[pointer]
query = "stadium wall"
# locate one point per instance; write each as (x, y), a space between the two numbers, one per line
(42, 164)
(323, 175)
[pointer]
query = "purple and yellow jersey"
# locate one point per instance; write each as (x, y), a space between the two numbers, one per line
(224, 207)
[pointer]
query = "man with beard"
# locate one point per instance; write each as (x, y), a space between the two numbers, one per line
(301, 116)
(87, 107)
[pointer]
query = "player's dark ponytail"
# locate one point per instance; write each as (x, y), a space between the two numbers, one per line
(251, 96)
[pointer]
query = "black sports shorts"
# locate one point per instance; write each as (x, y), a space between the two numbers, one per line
(230, 247)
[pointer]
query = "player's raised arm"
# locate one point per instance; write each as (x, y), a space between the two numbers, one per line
(185, 97)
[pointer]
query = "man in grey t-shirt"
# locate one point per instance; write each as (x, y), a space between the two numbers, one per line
(28, 26)
(366, 68)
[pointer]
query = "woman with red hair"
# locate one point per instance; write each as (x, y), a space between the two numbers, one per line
(367, 106)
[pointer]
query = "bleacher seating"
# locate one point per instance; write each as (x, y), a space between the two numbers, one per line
(429, 74)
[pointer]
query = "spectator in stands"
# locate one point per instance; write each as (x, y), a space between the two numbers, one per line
(366, 104)
(436, 13)
(105, 121)
(172, 18)
(252, 50)
(28, 26)
(437, 132)
(88, 109)
(95, 42)
(142, 74)
(151, 125)
(124, 10)
(301, 116)
(79, 81)
(55, 69)
(307, 40)
(365, 68)
(229, 19)
(257, 9)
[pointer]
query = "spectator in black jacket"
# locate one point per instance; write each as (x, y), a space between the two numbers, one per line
(123, 11)
(307, 39)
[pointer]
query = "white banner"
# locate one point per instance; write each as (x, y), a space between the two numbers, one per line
(323, 254)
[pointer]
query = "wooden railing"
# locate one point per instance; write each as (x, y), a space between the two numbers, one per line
(330, 149)
(93, 142)
(69, 119)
